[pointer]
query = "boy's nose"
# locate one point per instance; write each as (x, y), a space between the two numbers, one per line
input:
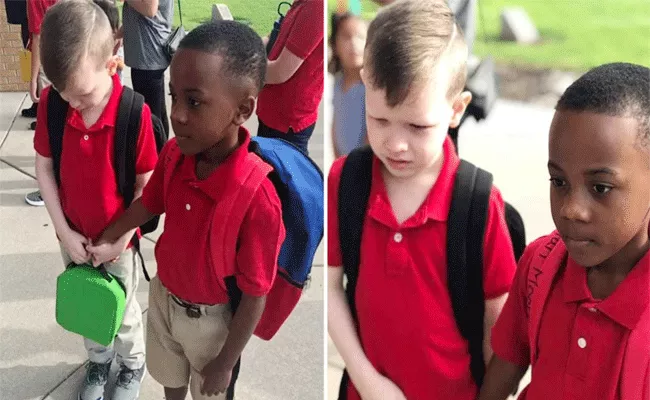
(574, 209)
(396, 144)
(178, 115)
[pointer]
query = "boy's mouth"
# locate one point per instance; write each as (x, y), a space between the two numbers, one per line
(396, 163)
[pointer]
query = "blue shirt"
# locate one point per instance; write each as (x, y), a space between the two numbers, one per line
(349, 116)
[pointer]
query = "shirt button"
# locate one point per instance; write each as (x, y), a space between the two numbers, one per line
(86, 137)
(188, 207)
(592, 309)
(398, 237)
(582, 343)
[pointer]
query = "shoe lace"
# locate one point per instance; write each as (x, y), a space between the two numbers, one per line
(97, 373)
(126, 376)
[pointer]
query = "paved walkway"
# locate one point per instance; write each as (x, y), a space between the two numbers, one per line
(513, 145)
(39, 360)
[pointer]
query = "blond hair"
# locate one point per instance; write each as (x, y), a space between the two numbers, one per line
(407, 41)
(73, 30)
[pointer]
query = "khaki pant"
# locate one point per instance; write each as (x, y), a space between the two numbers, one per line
(129, 342)
(179, 347)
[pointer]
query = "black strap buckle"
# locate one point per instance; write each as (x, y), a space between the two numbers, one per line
(193, 312)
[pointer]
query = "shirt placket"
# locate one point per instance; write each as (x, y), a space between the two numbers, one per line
(579, 362)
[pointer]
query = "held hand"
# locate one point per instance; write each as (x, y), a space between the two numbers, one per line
(75, 245)
(216, 378)
(104, 251)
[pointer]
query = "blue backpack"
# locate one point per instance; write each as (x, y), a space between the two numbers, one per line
(299, 184)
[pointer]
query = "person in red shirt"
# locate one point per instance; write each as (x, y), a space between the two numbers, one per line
(407, 344)
(216, 75)
(35, 13)
(287, 107)
(583, 345)
(86, 201)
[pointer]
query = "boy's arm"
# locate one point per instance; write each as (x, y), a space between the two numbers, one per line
(305, 36)
(73, 242)
(501, 379)
(493, 308)
(148, 8)
(219, 371)
(369, 383)
(36, 67)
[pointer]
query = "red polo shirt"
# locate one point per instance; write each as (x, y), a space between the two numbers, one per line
(407, 325)
(185, 267)
(36, 10)
(581, 340)
(294, 103)
(88, 192)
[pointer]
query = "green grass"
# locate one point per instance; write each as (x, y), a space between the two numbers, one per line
(259, 14)
(576, 34)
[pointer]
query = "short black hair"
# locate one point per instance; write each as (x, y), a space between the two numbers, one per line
(110, 9)
(616, 89)
(242, 50)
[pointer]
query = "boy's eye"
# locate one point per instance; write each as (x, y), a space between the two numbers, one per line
(193, 102)
(601, 189)
(420, 127)
(381, 121)
(557, 182)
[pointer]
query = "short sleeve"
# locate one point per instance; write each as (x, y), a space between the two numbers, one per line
(499, 263)
(334, 254)
(260, 238)
(41, 136)
(307, 31)
(153, 197)
(510, 333)
(35, 14)
(146, 151)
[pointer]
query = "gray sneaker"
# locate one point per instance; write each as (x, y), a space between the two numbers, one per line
(127, 386)
(96, 378)
(34, 199)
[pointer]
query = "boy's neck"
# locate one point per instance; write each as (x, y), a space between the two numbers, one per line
(604, 278)
(216, 154)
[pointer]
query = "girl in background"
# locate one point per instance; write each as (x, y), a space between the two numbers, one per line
(347, 42)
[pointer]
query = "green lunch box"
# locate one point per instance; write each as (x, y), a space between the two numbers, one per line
(90, 302)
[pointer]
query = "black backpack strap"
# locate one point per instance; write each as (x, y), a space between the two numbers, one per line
(127, 130)
(57, 112)
(353, 195)
(465, 232)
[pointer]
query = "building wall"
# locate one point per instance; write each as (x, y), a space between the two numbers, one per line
(10, 46)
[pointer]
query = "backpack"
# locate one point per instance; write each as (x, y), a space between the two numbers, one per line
(273, 36)
(465, 230)
(548, 258)
(127, 129)
(299, 184)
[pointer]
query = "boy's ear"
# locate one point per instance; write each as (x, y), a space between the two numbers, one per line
(112, 65)
(363, 77)
(244, 111)
(459, 106)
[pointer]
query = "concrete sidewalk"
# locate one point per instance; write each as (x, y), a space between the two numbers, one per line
(39, 360)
